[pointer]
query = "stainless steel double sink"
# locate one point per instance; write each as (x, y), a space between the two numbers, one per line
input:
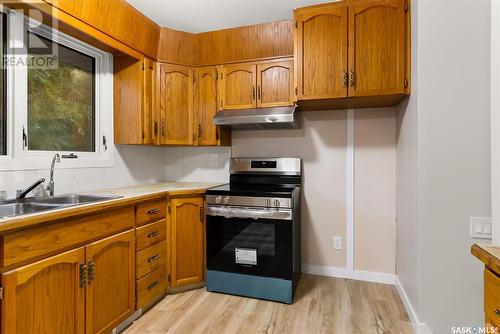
(24, 206)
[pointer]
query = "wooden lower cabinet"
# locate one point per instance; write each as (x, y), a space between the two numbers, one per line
(90, 289)
(45, 297)
(111, 282)
(187, 240)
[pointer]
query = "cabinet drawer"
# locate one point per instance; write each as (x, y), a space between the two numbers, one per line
(151, 287)
(65, 234)
(492, 296)
(151, 212)
(151, 258)
(150, 234)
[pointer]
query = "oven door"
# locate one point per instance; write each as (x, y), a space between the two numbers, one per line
(250, 241)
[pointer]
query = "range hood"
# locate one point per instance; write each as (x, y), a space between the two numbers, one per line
(262, 118)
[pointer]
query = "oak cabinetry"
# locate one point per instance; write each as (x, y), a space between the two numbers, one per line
(377, 47)
(175, 104)
(151, 287)
(150, 212)
(356, 50)
(90, 289)
(46, 296)
(321, 51)
(150, 234)
(206, 105)
(257, 84)
(187, 240)
(134, 89)
(239, 86)
(24, 245)
(127, 25)
(275, 84)
(110, 297)
(151, 256)
(492, 297)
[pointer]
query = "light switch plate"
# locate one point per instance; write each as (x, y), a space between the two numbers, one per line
(337, 242)
(480, 227)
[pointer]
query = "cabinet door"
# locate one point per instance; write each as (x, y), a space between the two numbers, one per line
(129, 113)
(239, 89)
(275, 84)
(150, 127)
(176, 104)
(111, 282)
(376, 47)
(187, 226)
(45, 297)
(321, 51)
(205, 100)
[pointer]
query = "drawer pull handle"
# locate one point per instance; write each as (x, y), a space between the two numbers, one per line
(154, 284)
(497, 311)
(153, 211)
(154, 258)
(153, 234)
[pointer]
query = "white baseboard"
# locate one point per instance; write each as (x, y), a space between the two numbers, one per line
(420, 327)
(358, 275)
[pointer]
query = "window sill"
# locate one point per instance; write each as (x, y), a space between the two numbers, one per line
(11, 164)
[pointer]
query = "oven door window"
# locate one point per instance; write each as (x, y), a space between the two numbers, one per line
(247, 246)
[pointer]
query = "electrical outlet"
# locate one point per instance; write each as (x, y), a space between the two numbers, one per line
(337, 242)
(214, 159)
(480, 227)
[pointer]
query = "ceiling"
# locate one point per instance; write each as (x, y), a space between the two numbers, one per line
(206, 15)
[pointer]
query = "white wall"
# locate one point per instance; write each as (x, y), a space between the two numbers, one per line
(445, 129)
(322, 144)
(453, 106)
(132, 165)
(407, 236)
(208, 164)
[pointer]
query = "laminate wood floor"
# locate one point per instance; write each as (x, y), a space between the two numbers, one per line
(322, 305)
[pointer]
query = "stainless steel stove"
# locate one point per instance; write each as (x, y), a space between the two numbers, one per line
(253, 229)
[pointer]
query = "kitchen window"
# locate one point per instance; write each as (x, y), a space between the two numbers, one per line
(59, 98)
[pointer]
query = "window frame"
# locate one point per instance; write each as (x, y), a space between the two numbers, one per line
(18, 156)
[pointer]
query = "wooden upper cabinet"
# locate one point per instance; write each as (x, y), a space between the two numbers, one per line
(238, 86)
(45, 297)
(134, 85)
(275, 84)
(110, 295)
(187, 226)
(377, 47)
(176, 104)
(205, 101)
(321, 51)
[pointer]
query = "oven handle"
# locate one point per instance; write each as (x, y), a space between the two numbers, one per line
(252, 213)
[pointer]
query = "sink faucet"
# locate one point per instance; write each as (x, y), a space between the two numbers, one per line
(57, 158)
(50, 187)
(24, 193)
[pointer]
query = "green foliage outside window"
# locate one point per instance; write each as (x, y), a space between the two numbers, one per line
(61, 104)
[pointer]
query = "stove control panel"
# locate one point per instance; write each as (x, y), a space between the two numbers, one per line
(250, 201)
